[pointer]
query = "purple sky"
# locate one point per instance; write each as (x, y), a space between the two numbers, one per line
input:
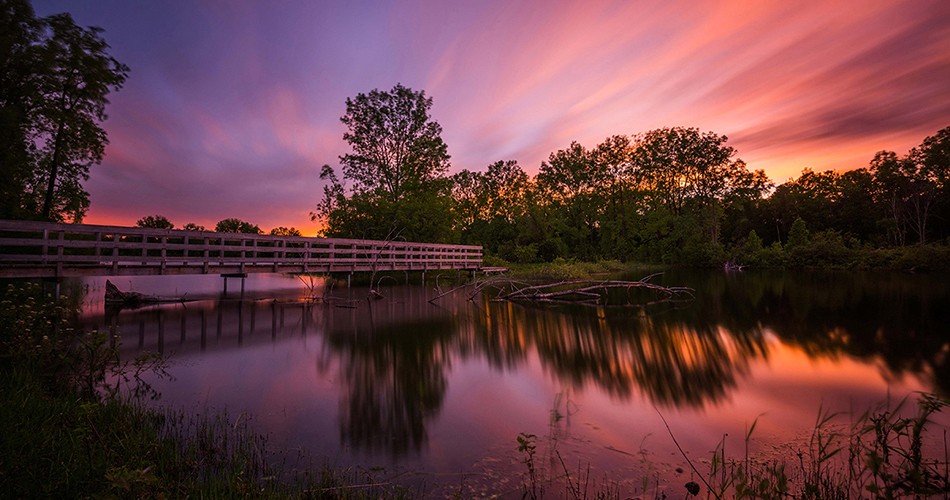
(231, 107)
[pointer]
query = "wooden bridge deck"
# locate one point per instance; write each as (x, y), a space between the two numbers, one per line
(41, 250)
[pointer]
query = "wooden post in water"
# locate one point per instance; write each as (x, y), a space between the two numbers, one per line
(234, 275)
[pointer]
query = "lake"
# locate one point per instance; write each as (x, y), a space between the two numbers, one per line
(436, 394)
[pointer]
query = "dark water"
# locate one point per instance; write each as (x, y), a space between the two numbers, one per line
(437, 394)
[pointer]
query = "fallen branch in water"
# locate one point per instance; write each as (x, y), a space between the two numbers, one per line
(116, 297)
(589, 292)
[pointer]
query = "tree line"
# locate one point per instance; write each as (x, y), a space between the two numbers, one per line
(674, 195)
(229, 225)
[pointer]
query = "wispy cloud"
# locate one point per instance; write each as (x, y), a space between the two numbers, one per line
(231, 109)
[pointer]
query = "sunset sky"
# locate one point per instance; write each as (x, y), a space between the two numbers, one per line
(231, 107)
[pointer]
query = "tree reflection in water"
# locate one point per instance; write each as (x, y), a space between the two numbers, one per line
(626, 349)
(393, 357)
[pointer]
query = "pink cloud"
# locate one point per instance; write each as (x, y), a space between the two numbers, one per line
(233, 110)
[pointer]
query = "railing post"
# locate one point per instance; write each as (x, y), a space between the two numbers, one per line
(306, 256)
(205, 254)
(164, 241)
(115, 253)
(144, 249)
(45, 251)
(60, 252)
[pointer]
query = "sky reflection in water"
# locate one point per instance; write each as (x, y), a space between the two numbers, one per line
(446, 388)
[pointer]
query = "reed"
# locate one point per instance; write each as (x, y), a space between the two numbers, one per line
(76, 426)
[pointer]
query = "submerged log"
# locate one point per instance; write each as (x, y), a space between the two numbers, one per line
(116, 297)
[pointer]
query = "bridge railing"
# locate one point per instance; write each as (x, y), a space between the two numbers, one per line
(49, 249)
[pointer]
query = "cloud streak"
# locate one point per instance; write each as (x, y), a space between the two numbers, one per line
(232, 107)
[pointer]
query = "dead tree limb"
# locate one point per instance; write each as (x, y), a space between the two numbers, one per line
(586, 292)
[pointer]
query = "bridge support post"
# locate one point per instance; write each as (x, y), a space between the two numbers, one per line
(349, 278)
(234, 275)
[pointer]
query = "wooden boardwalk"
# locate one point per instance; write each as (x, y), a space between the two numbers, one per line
(48, 250)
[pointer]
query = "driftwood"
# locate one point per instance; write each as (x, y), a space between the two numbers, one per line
(587, 292)
(116, 297)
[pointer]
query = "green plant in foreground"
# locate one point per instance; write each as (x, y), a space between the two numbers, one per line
(526, 444)
(75, 426)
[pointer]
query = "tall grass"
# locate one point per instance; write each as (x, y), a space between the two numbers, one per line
(75, 425)
(887, 452)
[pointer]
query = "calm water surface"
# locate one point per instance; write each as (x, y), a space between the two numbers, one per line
(437, 394)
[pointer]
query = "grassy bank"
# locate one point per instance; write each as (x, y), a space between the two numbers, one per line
(563, 269)
(75, 425)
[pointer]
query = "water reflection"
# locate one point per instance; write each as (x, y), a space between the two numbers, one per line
(392, 359)
(621, 350)
(393, 355)
(899, 320)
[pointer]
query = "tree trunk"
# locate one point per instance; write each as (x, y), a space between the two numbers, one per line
(53, 172)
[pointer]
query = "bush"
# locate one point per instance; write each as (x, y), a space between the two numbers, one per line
(824, 248)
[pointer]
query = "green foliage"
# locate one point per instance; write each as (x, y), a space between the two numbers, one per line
(396, 146)
(56, 79)
(752, 249)
(397, 167)
(35, 332)
(234, 225)
(71, 431)
(532, 487)
(798, 236)
(155, 221)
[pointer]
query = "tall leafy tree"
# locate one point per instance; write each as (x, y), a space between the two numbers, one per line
(573, 184)
(681, 164)
(916, 185)
(52, 115)
(20, 35)
(929, 167)
(891, 190)
(468, 200)
(396, 171)
(491, 206)
(397, 147)
(78, 78)
(614, 157)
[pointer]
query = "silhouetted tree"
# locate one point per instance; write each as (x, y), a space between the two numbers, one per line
(929, 167)
(20, 34)
(285, 231)
(56, 79)
(155, 221)
(191, 226)
(397, 169)
(234, 225)
(397, 147)
(573, 184)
